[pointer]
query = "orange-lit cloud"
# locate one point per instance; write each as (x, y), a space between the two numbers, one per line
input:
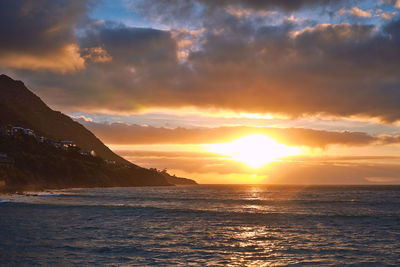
(39, 35)
(212, 168)
(357, 12)
(122, 133)
(66, 59)
(341, 70)
(221, 60)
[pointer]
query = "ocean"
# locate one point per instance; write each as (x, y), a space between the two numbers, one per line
(205, 225)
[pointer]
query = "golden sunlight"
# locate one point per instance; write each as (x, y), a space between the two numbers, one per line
(255, 150)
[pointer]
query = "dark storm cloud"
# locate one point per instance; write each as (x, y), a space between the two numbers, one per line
(38, 25)
(135, 46)
(257, 4)
(39, 34)
(125, 73)
(121, 133)
(336, 69)
(213, 14)
(189, 7)
(234, 63)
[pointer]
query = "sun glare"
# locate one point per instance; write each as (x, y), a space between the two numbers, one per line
(255, 150)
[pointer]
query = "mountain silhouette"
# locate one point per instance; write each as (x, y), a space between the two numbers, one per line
(20, 107)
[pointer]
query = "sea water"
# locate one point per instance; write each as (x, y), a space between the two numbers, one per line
(205, 225)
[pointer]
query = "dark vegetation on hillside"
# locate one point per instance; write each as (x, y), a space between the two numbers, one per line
(21, 107)
(37, 165)
(42, 166)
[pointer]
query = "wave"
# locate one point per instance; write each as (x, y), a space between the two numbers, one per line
(222, 212)
(28, 197)
(242, 201)
(144, 201)
(45, 194)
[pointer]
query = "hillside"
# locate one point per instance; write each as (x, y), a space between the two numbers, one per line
(35, 165)
(20, 107)
(179, 180)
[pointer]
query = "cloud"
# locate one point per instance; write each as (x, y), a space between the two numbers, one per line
(332, 173)
(82, 118)
(395, 3)
(383, 179)
(122, 133)
(357, 12)
(183, 7)
(39, 34)
(63, 60)
(366, 14)
(124, 71)
(256, 4)
(96, 54)
(385, 15)
(231, 63)
(206, 168)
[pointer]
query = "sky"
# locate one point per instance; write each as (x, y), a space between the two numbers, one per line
(307, 89)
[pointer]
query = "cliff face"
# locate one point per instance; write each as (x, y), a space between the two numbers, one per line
(21, 107)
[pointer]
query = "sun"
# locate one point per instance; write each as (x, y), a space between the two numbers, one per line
(255, 150)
